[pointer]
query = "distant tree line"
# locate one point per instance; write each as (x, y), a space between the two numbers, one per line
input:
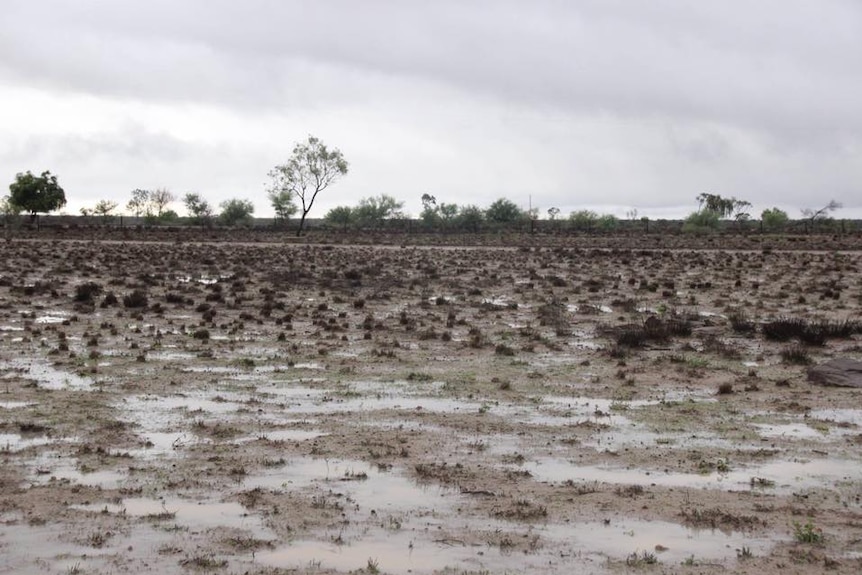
(313, 167)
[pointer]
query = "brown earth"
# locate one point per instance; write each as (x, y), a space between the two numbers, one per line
(262, 407)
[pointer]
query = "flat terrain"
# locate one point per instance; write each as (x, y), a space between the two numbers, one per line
(265, 408)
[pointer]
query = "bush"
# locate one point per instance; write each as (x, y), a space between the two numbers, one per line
(701, 222)
(795, 354)
(136, 299)
(87, 291)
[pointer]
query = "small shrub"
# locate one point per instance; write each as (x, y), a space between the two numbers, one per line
(201, 333)
(503, 349)
(639, 559)
(136, 299)
(796, 354)
(740, 322)
(110, 300)
(807, 533)
(86, 292)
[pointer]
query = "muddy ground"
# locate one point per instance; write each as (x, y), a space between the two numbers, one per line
(264, 408)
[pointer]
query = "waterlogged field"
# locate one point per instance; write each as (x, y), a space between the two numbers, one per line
(266, 408)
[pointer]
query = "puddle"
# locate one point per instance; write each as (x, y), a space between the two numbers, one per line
(589, 308)
(309, 365)
(12, 442)
(366, 486)
(106, 479)
(53, 466)
(789, 431)
(170, 356)
(622, 537)
(394, 553)
(193, 514)
(165, 443)
(291, 435)
(49, 319)
(47, 376)
(29, 549)
(155, 409)
(576, 548)
(16, 404)
(785, 476)
(852, 416)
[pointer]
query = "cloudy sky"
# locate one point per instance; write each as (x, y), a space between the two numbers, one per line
(577, 104)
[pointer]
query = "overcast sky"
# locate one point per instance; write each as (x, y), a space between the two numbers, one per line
(577, 104)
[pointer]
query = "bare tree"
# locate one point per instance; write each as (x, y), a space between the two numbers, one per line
(160, 199)
(820, 214)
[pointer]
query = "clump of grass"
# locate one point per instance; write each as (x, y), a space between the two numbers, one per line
(639, 559)
(86, 292)
(201, 333)
(554, 314)
(740, 322)
(796, 354)
(654, 329)
(810, 332)
(725, 388)
(807, 533)
(503, 349)
(136, 299)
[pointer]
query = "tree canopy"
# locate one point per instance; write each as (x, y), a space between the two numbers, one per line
(235, 212)
(311, 168)
(283, 204)
(504, 211)
(374, 210)
(37, 194)
(198, 208)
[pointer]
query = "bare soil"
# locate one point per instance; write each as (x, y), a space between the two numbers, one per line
(262, 407)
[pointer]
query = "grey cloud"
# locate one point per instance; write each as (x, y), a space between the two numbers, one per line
(783, 63)
(720, 93)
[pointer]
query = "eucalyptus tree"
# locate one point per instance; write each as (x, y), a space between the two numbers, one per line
(311, 168)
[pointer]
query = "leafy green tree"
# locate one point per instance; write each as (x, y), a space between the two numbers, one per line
(430, 214)
(283, 204)
(774, 219)
(374, 210)
(236, 212)
(470, 218)
(8, 208)
(169, 217)
(8, 212)
(198, 208)
(311, 168)
(104, 208)
(701, 221)
(716, 204)
(341, 216)
(139, 205)
(37, 194)
(607, 222)
(724, 207)
(504, 211)
(583, 220)
(448, 213)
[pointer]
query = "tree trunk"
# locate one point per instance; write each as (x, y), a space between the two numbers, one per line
(301, 224)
